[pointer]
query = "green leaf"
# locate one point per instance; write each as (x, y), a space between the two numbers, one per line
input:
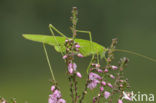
(86, 47)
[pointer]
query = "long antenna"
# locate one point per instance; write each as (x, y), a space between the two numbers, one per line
(138, 54)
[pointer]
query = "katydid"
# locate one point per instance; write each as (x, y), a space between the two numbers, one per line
(87, 47)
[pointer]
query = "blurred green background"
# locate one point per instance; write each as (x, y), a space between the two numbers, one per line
(24, 72)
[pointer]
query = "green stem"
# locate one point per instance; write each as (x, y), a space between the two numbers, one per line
(71, 88)
(75, 87)
(46, 54)
(85, 90)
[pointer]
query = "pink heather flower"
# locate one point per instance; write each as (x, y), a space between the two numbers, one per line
(94, 100)
(79, 74)
(120, 101)
(66, 40)
(80, 55)
(77, 46)
(77, 49)
(97, 65)
(72, 67)
(112, 76)
(106, 94)
(55, 97)
(110, 85)
(93, 64)
(93, 84)
(52, 88)
(121, 85)
(70, 70)
(4, 101)
(56, 94)
(99, 70)
(106, 70)
(61, 101)
(52, 99)
(94, 80)
(103, 83)
(65, 56)
(121, 81)
(114, 67)
(93, 76)
(101, 89)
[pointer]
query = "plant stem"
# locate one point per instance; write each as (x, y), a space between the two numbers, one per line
(99, 96)
(85, 90)
(71, 88)
(75, 88)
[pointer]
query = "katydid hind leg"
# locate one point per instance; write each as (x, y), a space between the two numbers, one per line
(92, 47)
(90, 37)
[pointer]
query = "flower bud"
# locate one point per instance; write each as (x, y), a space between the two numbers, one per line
(121, 85)
(114, 67)
(120, 101)
(70, 70)
(97, 65)
(103, 83)
(79, 74)
(106, 70)
(94, 99)
(74, 8)
(65, 56)
(52, 88)
(80, 55)
(77, 46)
(101, 89)
(110, 85)
(121, 81)
(4, 101)
(61, 101)
(106, 94)
(99, 70)
(66, 40)
(112, 76)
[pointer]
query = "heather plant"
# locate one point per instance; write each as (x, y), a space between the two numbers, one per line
(2, 100)
(102, 74)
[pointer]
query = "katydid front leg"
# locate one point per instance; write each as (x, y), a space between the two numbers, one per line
(51, 27)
